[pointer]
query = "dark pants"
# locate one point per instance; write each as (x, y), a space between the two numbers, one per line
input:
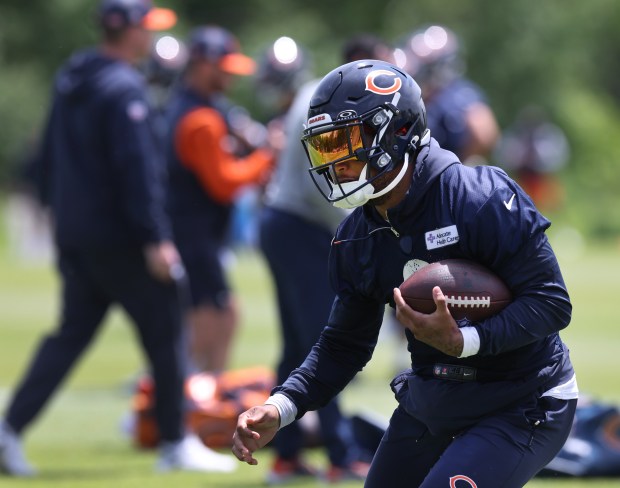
(504, 450)
(297, 252)
(92, 282)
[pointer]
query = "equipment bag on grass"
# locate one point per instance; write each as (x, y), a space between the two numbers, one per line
(213, 404)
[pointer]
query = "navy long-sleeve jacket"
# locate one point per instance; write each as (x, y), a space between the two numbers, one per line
(101, 170)
(488, 219)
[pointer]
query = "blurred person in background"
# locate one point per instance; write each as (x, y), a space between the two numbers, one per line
(162, 69)
(296, 229)
(281, 69)
(101, 176)
(534, 150)
(212, 154)
(459, 116)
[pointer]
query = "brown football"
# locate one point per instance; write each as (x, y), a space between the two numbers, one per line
(472, 291)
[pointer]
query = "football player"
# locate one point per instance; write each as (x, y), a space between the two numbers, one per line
(367, 138)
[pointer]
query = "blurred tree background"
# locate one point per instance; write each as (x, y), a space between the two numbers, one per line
(563, 55)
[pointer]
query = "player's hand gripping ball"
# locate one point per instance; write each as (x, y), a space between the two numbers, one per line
(472, 291)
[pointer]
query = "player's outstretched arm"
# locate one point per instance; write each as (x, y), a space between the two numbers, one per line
(255, 428)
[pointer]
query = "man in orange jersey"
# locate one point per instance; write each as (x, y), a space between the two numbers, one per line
(206, 173)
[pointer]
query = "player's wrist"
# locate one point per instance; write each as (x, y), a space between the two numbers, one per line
(452, 344)
(471, 341)
(285, 406)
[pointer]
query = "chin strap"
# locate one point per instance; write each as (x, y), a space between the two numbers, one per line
(395, 181)
(366, 193)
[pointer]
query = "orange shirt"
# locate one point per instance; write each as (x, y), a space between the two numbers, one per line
(200, 142)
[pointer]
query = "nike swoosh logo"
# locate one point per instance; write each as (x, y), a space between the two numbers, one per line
(508, 204)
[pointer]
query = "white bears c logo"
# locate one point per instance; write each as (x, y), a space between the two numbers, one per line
(462, 477)
(373, 87)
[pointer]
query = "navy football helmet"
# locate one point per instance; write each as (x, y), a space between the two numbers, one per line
(368, 111)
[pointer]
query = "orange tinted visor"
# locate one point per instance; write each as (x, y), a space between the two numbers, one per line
(335, 145)
(237, 64)
(158, 19)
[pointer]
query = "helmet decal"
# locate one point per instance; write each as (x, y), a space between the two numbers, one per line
(319, 119)
(371, 86)
(347, 114)
(462, 477)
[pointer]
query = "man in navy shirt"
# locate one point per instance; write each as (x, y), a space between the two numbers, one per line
(101, 175)
(458, 113)
(367, 138)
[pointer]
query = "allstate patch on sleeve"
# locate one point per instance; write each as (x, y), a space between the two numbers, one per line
(446, 236)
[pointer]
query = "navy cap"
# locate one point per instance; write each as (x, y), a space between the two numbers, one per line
(216, 44)
(119, 14)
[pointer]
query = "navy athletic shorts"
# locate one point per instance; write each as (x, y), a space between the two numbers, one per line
(205, 271)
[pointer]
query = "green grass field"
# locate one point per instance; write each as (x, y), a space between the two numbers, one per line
(77, 442)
